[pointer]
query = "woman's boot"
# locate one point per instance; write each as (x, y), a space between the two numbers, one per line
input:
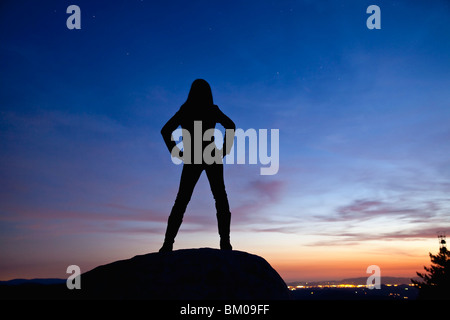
(223, 222)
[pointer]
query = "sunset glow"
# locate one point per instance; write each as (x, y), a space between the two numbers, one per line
(363, 118)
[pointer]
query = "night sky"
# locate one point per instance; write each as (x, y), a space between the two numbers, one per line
(363, 118)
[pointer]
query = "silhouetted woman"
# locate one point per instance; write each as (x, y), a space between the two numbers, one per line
(198, 111)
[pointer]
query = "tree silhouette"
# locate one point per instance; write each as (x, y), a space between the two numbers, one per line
(435, 282)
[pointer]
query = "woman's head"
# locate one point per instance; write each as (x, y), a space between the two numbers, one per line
(200, 94)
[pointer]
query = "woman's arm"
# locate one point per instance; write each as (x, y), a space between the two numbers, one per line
(230, 127)
(168, 129)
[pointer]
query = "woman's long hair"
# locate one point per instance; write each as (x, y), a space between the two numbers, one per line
(200, 95)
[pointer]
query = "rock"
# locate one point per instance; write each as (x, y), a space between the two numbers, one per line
(190, 274)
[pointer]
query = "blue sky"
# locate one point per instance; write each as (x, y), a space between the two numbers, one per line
(363, 118)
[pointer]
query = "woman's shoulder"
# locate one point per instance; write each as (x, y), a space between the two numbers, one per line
(216, 109)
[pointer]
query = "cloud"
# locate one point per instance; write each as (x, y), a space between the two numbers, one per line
(402, 219)
(259, 195)
(355, 238)
(365, 209)
(269, 190)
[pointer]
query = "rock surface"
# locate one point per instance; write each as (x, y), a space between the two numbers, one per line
(190, 274)
(186, 274)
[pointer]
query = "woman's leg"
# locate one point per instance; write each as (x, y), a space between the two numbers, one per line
(188, 180)
(214, 173)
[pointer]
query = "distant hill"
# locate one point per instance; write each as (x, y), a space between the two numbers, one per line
(33, 281)
(190, 274)
(384, 280)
